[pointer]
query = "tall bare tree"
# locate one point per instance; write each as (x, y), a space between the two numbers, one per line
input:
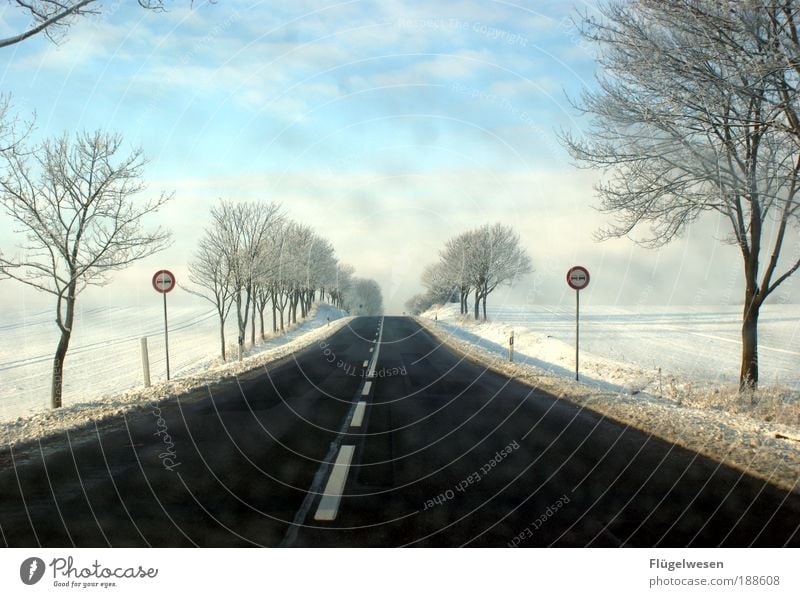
(697, 112)
(76, 201)
(209, 274)
(455, 261)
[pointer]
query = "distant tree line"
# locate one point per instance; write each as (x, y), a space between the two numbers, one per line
(474, 263)
(253, 260)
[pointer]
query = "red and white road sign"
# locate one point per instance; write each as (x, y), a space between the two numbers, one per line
(163, 281)
(578, 277)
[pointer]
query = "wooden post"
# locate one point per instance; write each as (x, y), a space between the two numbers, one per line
(145, 363)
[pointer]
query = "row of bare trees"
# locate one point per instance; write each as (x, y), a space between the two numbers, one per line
(253, 258)
(697, 110)
(76, 203)
(474, 263)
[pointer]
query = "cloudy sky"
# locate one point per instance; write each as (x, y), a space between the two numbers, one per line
(387, 125)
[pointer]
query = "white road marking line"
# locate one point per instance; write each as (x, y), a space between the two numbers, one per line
(332, 496)
(371, 349)
(366, 364)
(358, 417)
(371, 372)
(367, 388)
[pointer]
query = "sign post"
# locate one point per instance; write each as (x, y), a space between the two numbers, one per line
(164, 282)
(578, 279)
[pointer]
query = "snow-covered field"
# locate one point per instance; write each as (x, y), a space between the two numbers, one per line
(623, 349)
(104, 356)
(693, 401)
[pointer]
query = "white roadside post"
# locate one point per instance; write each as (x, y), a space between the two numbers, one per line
(578, 279)
(511, 347)
(145, 363)
(164, 282)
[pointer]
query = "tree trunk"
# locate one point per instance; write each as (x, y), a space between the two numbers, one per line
(274, 313)
(240, 325)
(58, 370)
(477, 306)
(57, 383)
(748, 377)
(222, 338)
(484, 305)
(253, 326)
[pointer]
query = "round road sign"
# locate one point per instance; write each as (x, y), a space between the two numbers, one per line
(578, 277)
(163, 281)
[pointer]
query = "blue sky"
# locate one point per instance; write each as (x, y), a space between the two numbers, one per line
(389, 126)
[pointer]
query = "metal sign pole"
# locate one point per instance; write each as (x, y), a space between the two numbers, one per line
(164, 282)
(577, 279)
(577, 330)
(166, 333)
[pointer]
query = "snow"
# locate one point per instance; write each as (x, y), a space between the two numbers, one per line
(103, 373)
(669, 371)
(622, 349)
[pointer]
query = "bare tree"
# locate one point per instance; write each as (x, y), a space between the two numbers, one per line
(74, 202)
(496, 258)
(365, 297)
(344, 280)
(243, 230)
(478, 260)
(442, 283)
(54, 17)
(12, 130)
(455, 261)
(212, 279)
(697, 112)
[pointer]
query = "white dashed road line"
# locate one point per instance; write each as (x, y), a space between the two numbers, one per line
(328, 506)
(358, 417)
(332, 496)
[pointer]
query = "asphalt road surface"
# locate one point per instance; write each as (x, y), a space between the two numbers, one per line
(379, 436)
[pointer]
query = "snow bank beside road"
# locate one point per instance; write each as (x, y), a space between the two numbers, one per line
(695, 414)
(203, 373)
